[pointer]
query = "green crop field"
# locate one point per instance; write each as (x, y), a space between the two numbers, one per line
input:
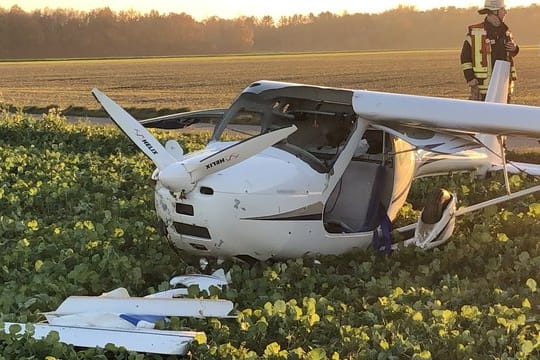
(77, 218)
(210, 82)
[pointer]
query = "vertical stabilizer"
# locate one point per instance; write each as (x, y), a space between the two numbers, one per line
(499, 83)
(498, 93)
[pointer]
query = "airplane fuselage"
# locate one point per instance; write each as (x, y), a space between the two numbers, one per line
(274, 205)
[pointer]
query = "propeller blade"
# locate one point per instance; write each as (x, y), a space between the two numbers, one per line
(182, 176)
(136, 132)
(237, 153)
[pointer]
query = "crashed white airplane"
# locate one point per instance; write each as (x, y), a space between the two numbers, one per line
(323, 170)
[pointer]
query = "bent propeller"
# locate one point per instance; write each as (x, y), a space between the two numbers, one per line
(181, 175)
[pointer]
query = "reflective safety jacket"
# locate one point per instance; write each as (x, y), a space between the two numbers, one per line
(483, 45)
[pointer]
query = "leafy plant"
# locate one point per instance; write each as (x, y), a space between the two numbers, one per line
(78, 218)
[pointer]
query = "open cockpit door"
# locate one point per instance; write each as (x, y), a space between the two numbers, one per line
(373, 185)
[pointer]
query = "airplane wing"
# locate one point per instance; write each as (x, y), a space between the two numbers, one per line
(448, 130)
(438, 142)
(184, 119)
(441, 114)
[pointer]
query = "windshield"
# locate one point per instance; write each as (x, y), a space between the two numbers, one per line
(242, 125)
(324, 125)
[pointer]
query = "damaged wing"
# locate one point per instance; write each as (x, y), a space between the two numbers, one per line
(440, 142)
(184, 119)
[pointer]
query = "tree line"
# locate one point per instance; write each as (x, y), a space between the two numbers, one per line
(68, 33)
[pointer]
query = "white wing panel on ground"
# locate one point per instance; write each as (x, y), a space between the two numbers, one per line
(142, 340)
(145, 306)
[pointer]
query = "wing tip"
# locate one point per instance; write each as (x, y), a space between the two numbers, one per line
(97, 94)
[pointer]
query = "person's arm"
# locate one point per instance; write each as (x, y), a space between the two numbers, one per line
(466, 61)
(467, 66)
(511, 46)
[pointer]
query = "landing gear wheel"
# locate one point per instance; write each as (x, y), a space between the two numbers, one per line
(435, 204)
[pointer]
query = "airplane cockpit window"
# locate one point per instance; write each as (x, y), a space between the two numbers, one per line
(324, 126)
(323, 129)
(244, 124)
(242, 120)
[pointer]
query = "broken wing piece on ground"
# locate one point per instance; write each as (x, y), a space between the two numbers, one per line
(117, 318)
(145, 306)
(141, 340)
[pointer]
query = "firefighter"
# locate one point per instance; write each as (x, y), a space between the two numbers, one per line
(486, 42)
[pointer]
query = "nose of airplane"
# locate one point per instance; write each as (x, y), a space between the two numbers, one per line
(176, 178)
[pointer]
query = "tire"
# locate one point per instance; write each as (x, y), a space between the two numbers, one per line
(434, 206)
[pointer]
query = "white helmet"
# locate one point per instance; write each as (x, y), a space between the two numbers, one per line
(493, 5)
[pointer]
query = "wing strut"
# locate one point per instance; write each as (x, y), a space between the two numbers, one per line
(505, 165)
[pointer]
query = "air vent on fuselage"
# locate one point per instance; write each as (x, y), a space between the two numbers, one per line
(248, 259)
(198, 247)
(206, 190)
(192, 230)
(184, 209)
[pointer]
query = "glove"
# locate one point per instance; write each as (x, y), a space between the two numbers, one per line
(475, 93)
(474, 82)
(510, 47)
(475, 90)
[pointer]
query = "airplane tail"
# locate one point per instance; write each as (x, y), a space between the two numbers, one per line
(494, 151)
(497, 93)
(491, 156)
(436, 229)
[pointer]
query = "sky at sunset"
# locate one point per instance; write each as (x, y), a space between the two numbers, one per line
(201, 9)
